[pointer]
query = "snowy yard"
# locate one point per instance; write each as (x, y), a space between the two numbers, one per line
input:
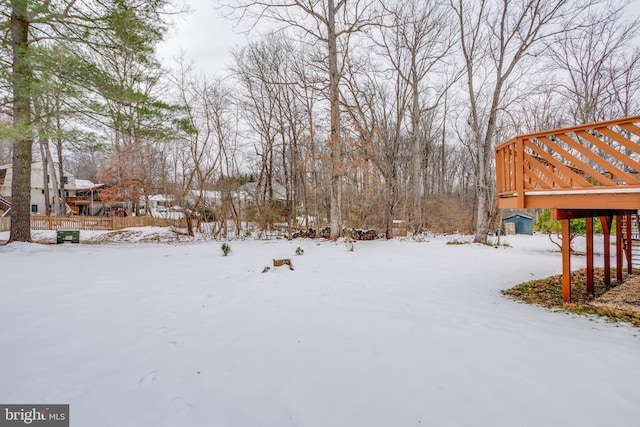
(392, 334)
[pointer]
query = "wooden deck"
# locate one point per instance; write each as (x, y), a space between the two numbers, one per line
(589, 171)
(592, 166)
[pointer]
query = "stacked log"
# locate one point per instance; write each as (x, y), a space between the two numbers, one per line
(305, 234)
(348, 233)
(312, 233)
(358, 234)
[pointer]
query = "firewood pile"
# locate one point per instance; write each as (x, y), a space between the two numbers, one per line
(312, 233)
(357, 234)
(349, 233)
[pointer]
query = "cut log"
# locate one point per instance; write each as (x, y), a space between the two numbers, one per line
(281, 262)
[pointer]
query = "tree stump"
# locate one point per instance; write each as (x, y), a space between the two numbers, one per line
(281, 262)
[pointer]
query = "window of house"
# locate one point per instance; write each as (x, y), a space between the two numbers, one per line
(65, 179)
(34, 208)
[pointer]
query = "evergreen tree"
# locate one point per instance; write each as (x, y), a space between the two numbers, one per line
(33, 34)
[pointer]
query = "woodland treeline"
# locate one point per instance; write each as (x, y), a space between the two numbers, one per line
(359, 111)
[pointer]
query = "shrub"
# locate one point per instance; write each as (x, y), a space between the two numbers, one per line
(226, 248)
(457, 242)
(554, 228)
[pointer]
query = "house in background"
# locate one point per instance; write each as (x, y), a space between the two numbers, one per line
(87, 199)
(38, 177)
(160, 202)
(6, 117)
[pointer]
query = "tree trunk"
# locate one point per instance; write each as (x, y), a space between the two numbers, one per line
(21, 181)
(443, 158)
(189, 224)
(336, 143)
(417, 153)
(52, 181)
(482, 218)
(45, 184)
(486, 207)
(62, 196)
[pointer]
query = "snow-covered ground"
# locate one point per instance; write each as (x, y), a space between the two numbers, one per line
(393, 334)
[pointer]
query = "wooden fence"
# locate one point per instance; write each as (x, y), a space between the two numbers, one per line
(95, 223)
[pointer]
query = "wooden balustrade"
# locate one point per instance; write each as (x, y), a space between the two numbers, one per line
(581, 167)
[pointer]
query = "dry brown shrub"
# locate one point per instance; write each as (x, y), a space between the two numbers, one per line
(444, 215)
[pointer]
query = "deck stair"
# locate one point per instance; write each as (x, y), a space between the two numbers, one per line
(635, 237)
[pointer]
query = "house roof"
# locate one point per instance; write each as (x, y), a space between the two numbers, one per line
(161, 198)
(207, 196)
(84, 184)
(279, 191)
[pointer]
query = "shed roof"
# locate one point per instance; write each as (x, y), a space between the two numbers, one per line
(518, 215)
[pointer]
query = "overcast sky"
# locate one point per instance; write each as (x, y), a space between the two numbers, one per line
(203, 36)
(206, 38)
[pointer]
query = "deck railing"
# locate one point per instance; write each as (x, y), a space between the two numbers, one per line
(592, 157)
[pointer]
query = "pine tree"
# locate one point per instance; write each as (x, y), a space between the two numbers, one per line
(89, 30)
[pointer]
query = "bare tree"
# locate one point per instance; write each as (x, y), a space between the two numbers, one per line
(625, 85)
(307, 89)
(599, 64)
(496, 38)
(378, 106)
(416, 42)
(258, 69)
(327, 22)
(206, 138)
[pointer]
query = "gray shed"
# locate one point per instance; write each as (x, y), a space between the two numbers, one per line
(523, 223)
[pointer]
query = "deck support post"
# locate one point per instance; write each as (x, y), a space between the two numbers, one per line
(619, 248)
(589, 224)
(606, 234)
(566, 260)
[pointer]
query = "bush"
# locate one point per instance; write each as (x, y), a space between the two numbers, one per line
(226, 249)
(457, 242)
(577, 227)
(299, 251)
